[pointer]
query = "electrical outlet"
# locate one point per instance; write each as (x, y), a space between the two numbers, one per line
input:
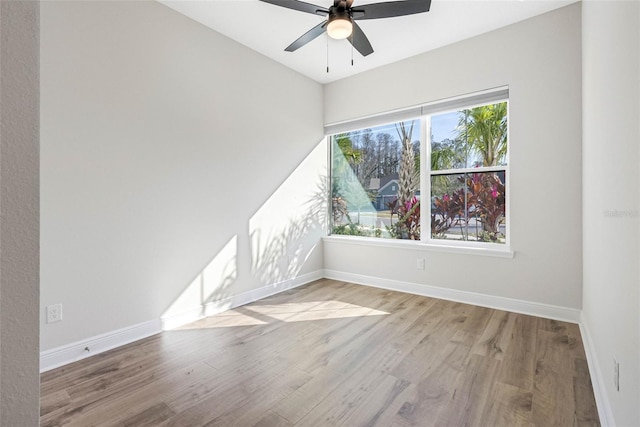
(616, 374)
(54, 313)
(420, 264)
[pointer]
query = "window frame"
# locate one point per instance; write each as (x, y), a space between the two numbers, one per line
(425, 208)
(426, 111)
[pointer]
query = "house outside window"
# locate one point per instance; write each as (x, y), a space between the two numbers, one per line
(439, 177)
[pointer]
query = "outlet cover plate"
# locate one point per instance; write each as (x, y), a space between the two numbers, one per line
(54, 313)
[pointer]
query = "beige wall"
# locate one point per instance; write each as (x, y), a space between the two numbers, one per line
(611, 155)
(539, 59)
(19, 117)
(163, 143)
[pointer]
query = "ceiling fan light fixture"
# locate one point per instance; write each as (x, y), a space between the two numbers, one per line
(339, 28)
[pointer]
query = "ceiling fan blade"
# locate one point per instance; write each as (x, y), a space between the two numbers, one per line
(308, 36)
(360, 41)
(390, 9)
(299, 6)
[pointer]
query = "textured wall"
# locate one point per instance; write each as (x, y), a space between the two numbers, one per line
(19, 213)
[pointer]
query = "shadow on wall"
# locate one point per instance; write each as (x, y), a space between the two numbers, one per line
(283, 234)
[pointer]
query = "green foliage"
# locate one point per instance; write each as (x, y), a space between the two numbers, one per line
(488, 198)
(352, 155)
(484, 130)
(446, 155)
(447, 212)
(353, 229)
(408, 224)
(349, 229)
(482, 195)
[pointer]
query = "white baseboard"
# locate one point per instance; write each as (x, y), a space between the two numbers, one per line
(597, 379)
(63, 355)
(215, 307)
(508, 304)
(54, 358)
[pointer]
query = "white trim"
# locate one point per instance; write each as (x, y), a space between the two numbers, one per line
(548, 311)
(462, 171)
(63, 355)
(56, 357)
(599, 391)
(449, 247)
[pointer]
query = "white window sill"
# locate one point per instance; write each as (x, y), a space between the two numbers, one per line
(502, 252)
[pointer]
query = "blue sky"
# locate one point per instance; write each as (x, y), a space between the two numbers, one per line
(443, 125)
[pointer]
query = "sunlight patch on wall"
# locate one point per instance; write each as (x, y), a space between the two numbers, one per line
(210, 291)
(280, 229)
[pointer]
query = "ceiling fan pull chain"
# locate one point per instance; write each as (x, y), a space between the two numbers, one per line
(327, 54)
(352, 49)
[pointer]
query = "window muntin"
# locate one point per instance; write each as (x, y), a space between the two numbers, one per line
(464, 171)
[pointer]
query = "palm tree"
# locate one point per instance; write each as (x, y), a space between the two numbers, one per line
(407, 182)
(484, 130)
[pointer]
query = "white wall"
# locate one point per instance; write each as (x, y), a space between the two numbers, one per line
(19, 374)
(162, 143)
(539, 59)
(611, 129)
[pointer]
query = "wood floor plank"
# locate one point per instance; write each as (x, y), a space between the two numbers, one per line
(471, 392)
(150, 417)
(364, 353)
(272, 420)
(54, 401)
(385, 402)
(435, 385)
(445, 318)
(519, 363)
(134, 398)
(335, 408)
(586, 411)
(553, 401)
(272, 390)
(508, 406)
(332, 353)
(496, 336)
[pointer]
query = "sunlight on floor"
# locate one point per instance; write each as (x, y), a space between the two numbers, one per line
(223, 320)
(257, 314)
(295, 312)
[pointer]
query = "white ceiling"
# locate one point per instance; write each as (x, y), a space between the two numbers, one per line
(268, 29)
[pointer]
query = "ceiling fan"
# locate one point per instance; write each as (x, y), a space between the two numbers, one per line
(341, 17)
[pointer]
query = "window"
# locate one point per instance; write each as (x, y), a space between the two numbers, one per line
(468, 173)
(444, 170)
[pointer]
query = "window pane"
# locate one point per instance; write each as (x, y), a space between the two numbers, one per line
(449, 199)
(469, 138)
(447, 151)
(469, 207)
(376, 180)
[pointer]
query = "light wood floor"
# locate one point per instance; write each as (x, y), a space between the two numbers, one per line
(332, 353)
